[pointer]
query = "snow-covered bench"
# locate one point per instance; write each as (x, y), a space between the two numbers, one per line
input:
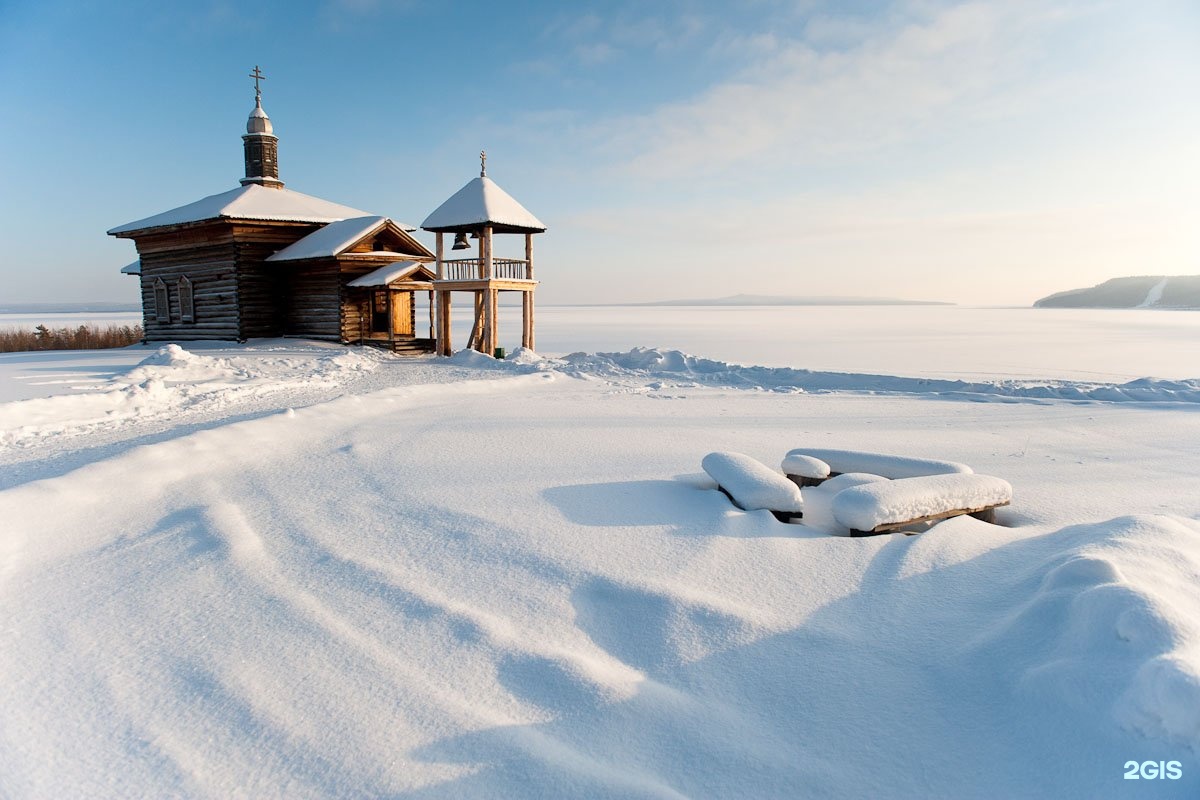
(752, 485)
(809, 466)
(887, 506)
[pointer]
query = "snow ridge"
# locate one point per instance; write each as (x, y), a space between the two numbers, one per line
(688, 370)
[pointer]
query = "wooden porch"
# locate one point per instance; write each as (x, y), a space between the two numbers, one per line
(387, 318)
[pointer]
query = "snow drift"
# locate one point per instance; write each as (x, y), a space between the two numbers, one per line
(516, 585)
(693, 370)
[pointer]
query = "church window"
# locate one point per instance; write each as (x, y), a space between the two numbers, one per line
(186, 306)
(162, 303)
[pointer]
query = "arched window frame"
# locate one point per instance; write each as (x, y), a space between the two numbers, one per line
(187, 306)
(162, 301)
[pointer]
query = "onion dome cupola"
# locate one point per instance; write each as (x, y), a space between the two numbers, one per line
(260, 143)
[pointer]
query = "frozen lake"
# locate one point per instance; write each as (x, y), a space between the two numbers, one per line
(927, 341)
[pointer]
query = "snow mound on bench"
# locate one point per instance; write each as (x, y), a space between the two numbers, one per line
(888, 466)
(752, 484)
(818, 500)
(888, 502)
(804, 466)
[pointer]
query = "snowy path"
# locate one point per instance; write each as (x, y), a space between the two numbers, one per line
(128, 398)
(520, 586)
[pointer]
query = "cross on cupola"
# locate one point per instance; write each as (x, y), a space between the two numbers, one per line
(258, 76)
(260, 143)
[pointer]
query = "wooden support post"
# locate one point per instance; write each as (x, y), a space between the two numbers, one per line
(529, 256)
(445, 346)
(485, 243)
(476, 340)
(435, 302)
(527, 320)
(495, 342)
(489, 322)
(391, 322)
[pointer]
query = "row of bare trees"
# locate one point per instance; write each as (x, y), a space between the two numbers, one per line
(81, 338)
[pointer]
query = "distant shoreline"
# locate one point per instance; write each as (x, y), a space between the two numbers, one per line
(70, 308)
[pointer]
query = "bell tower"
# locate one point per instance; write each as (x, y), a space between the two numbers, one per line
(481, 209)
(260, 144)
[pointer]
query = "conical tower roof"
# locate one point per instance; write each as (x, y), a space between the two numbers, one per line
(482, 202)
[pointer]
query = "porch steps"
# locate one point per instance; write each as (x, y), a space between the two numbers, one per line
(404, 347)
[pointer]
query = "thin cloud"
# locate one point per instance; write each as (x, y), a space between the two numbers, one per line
(797, 102)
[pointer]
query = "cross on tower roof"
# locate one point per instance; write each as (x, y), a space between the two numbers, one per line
(258, 76)
(483, 163)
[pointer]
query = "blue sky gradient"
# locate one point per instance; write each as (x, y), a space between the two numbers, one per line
(980, 152)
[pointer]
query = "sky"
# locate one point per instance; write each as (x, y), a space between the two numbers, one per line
(985, 152)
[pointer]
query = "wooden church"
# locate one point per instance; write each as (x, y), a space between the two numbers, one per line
(262, 260)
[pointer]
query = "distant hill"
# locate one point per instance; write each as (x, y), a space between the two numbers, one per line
(776, 300)
(1144, 291)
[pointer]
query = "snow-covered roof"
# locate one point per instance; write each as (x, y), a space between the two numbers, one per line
(132, 269)
(337, 237)
(482, 202)
(387, 274)
(249, 202)
(330, 240)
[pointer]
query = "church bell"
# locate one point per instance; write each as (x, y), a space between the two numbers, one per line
(460, 242)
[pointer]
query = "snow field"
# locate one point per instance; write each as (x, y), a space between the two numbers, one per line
(519, 585)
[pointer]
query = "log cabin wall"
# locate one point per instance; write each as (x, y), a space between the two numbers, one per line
(355, 314)
(313, 294)
(262, 287)
(212, 272)
(260, 296)
(235, 295)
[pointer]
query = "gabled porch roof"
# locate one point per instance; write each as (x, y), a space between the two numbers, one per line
(399, 271)
(338, 238)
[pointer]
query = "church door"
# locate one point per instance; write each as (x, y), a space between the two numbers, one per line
(402, 313)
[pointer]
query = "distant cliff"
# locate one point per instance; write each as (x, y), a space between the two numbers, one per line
(1145, 291)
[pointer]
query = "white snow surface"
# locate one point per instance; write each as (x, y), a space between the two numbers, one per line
(818, 501)
(251, 201)
(889, 466)
(695, 370)
(169, 383)
(753, 485)
(482, 201)
(805, 466)
(475, 578)
(869, 505)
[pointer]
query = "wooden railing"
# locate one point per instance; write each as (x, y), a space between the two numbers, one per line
(471, 269)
